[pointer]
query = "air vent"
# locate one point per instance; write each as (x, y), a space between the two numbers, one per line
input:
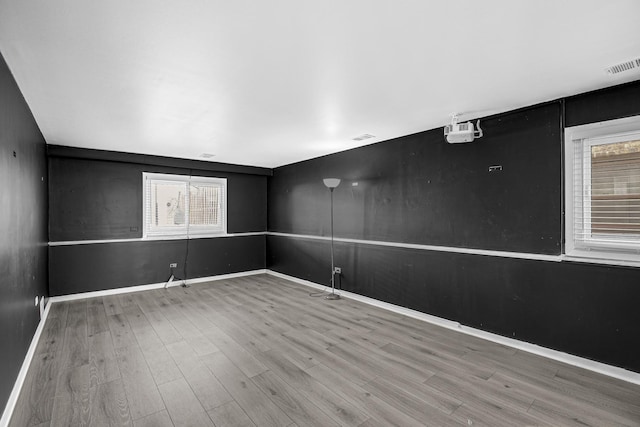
(464, 126)
(207, 155)
(363, 137)
(623, 67)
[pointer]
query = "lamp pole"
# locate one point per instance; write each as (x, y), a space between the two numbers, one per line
(333, 294)
(331, 184)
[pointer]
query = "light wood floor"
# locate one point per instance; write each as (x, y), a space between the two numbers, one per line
(260, 351)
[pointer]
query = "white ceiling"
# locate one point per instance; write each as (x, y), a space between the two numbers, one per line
(268, 83)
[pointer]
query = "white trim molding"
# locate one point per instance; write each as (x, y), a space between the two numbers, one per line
(581, 362)
(471, 251)
(22, 374)
(504, 254)
(151, 239)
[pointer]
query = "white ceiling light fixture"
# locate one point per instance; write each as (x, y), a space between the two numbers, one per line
(363, 137)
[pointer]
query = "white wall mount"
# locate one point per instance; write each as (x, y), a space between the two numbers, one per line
(456, 133)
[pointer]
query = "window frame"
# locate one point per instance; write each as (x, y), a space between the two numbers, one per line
(607, 132)
(188, 231)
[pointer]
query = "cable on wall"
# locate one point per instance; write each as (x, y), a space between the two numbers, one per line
(186, 252)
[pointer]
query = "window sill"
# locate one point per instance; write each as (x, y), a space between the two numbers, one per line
(185, 237)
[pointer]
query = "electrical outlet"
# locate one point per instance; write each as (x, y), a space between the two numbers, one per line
(337, 270)
(173, 265)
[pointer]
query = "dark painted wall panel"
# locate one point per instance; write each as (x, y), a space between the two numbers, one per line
(588, 310)
(93, 267)
(94, 199)
(102, 200)
(420, 189)
(23, 228)
(247, 200)
(606, 104)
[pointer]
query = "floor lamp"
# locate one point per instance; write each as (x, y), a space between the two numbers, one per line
(331, 184)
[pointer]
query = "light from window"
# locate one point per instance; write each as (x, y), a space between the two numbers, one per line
(183, 206)
(603, 190)
(615, 195)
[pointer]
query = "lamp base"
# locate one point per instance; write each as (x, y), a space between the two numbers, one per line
(332, 296)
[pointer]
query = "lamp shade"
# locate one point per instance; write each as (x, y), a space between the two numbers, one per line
(331, 182)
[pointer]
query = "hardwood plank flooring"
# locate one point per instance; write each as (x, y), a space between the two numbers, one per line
(103, 366)
(142, 391)
(72, 401)
(109, 406)
(159, 419)
(230, 415)
(183, 406)
(258, 351)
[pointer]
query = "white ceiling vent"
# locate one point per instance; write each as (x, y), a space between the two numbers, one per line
(624, 66)
(363, 137)
(207, 155)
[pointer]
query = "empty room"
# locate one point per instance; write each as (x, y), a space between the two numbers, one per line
(319, 213)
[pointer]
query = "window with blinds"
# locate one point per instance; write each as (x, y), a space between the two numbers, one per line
(603, 200)
(183, 206)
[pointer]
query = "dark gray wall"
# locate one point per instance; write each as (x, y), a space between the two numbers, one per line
(94, 199)
(23, 228)
(84, 268)
(419, 189)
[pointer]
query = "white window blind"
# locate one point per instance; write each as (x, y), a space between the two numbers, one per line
(604, 196)
(183, 206)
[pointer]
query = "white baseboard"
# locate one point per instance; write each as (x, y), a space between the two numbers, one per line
(128, 289)
(581, 362)
(22, 375)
